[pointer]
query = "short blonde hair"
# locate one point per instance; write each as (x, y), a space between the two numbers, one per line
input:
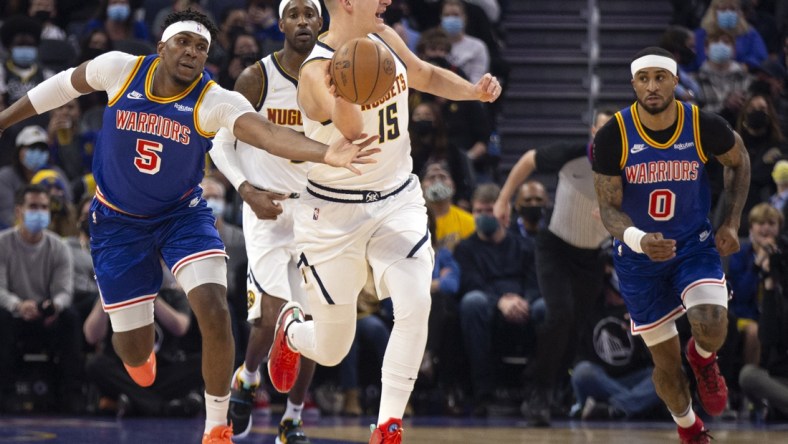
(763, 212)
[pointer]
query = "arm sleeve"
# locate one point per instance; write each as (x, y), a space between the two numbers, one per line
(61, 287)
(716, 136)
(226, 158)
(109, 71)
(221, 108)
(606, 149)
(551, 158)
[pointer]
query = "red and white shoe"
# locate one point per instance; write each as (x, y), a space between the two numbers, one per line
(695, 434)
(712, 390)
(284, 362)
(389, 432)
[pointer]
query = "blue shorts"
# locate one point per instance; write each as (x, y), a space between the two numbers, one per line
(126, 249)
(653, 291)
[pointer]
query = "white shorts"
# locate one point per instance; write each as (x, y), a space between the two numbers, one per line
(339, 240)
(270, 249)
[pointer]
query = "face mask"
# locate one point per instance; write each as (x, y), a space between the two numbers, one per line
(727, 19)
(42, 16)
(421, 127)
(757, 120)
(452, 24)
(486, 224)
(34, 159)
(438, 192)
(532, 215)
(118, 12)
(686, 56)
(36, 220)
(720, 52)
(248, 58)
(24, 55)
(216, 206)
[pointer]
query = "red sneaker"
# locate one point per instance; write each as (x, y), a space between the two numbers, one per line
(712, 389)
(388, 433)
(284, 363)
(695, 434)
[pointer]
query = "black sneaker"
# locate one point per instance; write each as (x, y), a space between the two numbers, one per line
(241, 404)
(536, 408)
(290, 432)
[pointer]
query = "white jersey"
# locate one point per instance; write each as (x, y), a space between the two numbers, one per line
(388, 118)
(278, 99)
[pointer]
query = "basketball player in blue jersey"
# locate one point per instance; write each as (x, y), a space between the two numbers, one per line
(162, 112)
(265, 182)
(344, 225)
(654, 198)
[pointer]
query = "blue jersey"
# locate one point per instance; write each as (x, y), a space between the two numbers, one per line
(665, 185)
(150, 153)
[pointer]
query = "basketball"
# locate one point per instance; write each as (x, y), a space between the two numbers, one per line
(362, 70)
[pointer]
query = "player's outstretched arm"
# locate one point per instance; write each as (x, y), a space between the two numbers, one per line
(737, 184)
(521, 171)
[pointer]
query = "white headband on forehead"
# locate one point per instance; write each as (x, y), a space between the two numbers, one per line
(654, 61)
(186, 26)
(283, 5)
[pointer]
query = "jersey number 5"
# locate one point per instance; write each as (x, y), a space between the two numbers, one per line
(149, 160)
(661, 204)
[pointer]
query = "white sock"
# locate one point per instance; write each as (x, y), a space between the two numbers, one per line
(248, 377)
(216, 411)
(703, 353)
(686, 419)
(392, 403)
(293, 411)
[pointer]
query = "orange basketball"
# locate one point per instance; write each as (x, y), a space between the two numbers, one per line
(362, 70)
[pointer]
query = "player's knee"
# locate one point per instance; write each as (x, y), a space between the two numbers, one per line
(709, 325)
(334, 354)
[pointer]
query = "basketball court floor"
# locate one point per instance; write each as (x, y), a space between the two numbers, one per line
(420, 430)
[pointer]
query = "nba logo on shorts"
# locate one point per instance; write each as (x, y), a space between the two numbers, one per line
(316, 214)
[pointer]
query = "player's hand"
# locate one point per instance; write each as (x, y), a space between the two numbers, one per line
(344, 153)
(727, 240)
(657, 248)
(503, 212)
(487, 89)
(264, 203)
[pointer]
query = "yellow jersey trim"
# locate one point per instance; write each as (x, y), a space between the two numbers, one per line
(696, 133)
(149, 86)
(624, 142)
(197, 107)
(649, 140)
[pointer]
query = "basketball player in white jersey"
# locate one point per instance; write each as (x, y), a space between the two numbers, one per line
(343, 223)
(265, 182)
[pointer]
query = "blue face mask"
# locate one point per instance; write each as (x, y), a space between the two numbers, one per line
(24, 55)
(486, 224)
(36, 220)
(119, 12)
(35, 159)
(452, 24)
(216, 206)
(720, 52)
(727, 19)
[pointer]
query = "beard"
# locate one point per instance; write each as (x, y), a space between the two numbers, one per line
(655, 109)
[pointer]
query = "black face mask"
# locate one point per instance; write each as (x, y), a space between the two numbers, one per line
(248, 59)
(532, 215)
(757, 120)
(42, 16)
(686, 56)
(422, 127)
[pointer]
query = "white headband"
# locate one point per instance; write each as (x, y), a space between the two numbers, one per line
(283, 5)
(186, 26)
(654, 61)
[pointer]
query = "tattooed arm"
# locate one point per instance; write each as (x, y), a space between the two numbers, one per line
(737, 183)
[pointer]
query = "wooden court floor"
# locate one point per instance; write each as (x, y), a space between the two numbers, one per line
(432, 430)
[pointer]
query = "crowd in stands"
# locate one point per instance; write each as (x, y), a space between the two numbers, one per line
(497, 291)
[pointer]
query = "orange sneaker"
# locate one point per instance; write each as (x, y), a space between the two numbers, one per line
(388, 433)
(284, 363)
(218, 435)
(145, 374)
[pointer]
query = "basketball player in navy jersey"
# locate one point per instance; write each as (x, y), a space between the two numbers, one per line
(654, 198)
(265, 182)
(162, 112)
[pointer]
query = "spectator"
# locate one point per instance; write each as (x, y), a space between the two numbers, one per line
(494, 266)
(45, 11)
(115, 17)
(430, 143)
(176, 391)
(764, 22)
(397, 16)
(531, 204)
(71, 145)
(63, 213)
(244, 51)
(36, 290)
(85, 287)
(724, 81)
(726, 16)
(469, 53)
(780, 177)
(20, 72)
(264, 19)
(680, 42)
(452, 223)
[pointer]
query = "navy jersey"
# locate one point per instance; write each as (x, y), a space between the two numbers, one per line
(151, 151)
(665, 184)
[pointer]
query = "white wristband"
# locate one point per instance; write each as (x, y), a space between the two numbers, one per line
(632, 237)
(54, 92)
